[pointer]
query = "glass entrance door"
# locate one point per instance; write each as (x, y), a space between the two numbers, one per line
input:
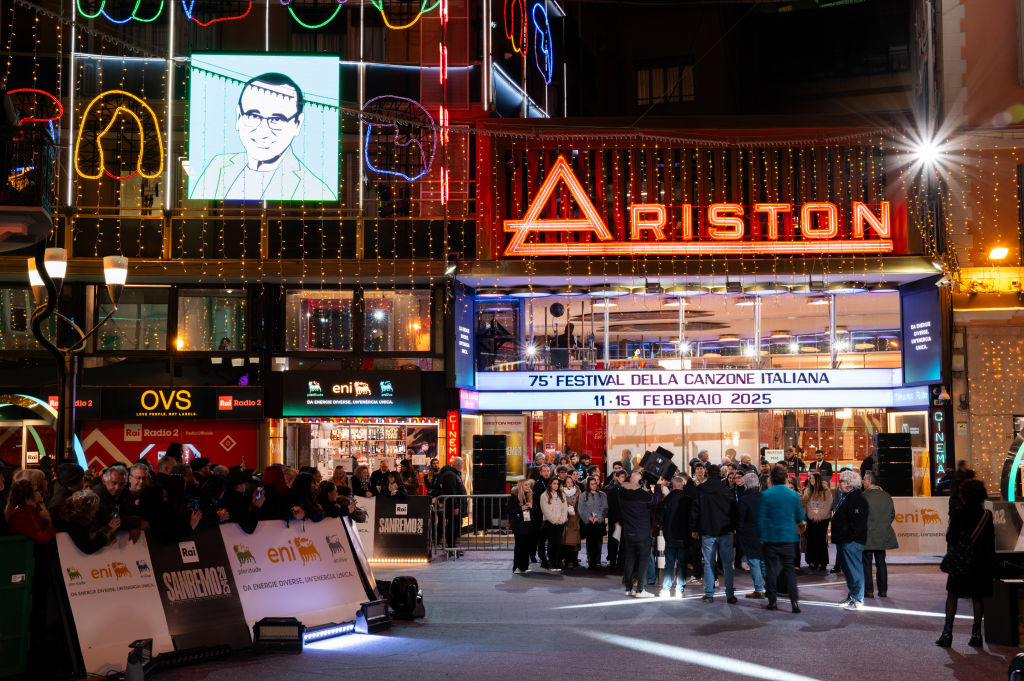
(24, 443)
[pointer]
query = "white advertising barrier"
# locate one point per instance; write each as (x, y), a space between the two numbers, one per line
(367, 529)
(920, 525)
(297, 569)
(114, 600)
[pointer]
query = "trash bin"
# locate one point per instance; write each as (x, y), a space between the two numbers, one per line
(17, 562)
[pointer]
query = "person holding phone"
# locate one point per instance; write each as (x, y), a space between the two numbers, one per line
(243, 500)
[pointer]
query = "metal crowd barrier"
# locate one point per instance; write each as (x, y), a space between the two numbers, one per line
(473, 522)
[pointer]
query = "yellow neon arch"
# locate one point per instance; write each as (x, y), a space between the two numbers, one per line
(425, 6)
(142, 134)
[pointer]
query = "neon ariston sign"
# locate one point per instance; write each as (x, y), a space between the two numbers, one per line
(817, 227)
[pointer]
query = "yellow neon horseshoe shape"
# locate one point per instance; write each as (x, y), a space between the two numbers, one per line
(113, 119)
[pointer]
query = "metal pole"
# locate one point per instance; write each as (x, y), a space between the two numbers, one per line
(606, 339)
(832, 331)
(756, 364)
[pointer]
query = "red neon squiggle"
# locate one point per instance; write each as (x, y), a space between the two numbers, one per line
(119, 179)
(214, 21)
(29, 119)
(510, 25)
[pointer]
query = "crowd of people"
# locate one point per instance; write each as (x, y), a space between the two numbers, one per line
(716, 519)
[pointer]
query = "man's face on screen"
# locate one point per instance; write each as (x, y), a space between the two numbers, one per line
(268, 121)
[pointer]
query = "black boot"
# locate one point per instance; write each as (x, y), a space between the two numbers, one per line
(976, 640)
(946, 640)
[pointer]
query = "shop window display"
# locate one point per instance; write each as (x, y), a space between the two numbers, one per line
(396, 321)
(16, 306)
(319, 320)
(138, 324)
(211, 320)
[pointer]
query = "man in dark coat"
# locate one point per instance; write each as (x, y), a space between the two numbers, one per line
(675, 526)
(70, 479)
(849, 534)
(635, 506)
(746, 534)
(614, 516)
(713, 519)
(450, 481)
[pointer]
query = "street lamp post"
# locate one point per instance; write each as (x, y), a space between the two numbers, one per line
(46, 272)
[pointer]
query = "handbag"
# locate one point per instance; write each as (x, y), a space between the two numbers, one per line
(960, 556)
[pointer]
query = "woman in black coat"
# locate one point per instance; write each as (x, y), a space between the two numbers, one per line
(520, 509)
(970, 519)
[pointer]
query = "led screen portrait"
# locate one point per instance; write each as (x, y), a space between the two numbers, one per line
(263, 128)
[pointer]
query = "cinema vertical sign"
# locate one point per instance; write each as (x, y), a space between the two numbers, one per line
(811, 228)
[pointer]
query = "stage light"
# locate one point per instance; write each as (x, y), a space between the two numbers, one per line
(372, 617)
(329, 630)
(686, 291)
(278, 635)
(998, 253)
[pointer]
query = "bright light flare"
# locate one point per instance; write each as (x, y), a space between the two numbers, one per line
(998, 253)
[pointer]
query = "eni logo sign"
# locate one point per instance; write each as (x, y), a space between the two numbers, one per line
(166, 400)
(730, 228)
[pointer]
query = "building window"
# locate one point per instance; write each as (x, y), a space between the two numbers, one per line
(664, 84)
(319, 321)
(211, 320)
(16, 306)
(397, 321)
(138, 324)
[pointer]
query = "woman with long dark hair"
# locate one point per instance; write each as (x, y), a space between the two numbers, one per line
(972, 533)
(593, 512)
(303, 502)
(817, 502)
(555, 509)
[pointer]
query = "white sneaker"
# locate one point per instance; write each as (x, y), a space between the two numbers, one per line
(556, 570)
(630, 592)
(845, 602)
(643, 594)
(854, 605)
(693, 580)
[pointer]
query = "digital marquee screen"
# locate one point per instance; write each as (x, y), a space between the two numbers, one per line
(922, 333)
(263, 128)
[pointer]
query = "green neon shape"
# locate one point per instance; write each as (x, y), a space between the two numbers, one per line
(1012, 487)
(133, 15)
(39, 441)
(302, 23)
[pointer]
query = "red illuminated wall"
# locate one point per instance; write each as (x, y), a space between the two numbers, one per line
(223, 442)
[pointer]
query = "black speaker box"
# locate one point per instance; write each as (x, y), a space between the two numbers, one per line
(896, 478)
(489, 442)
(657, 464)
(894, 455)
(890, 439)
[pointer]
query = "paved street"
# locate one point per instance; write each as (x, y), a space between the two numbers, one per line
(484, 623)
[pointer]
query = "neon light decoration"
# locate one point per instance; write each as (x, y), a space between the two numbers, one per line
(300, 22)
(544, 51)
(393, 148)
(24, 99)
(134, 15)
(515, 13)
(189, 5)
(106, 107)
(727, 230)
(425, 6)
(1011, 487)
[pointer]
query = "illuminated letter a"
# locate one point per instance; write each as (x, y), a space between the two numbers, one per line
(532, 221)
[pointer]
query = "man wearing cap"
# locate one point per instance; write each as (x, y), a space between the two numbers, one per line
(70, 479)
(200, 469)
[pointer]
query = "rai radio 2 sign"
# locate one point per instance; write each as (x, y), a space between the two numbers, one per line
(775, 228)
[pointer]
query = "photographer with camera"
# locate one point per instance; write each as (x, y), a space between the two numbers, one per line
(636, 502)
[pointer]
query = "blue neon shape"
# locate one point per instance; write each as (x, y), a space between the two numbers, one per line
(427, 164)
(542, 36)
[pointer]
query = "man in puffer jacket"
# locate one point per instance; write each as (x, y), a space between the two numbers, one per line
(713, 518)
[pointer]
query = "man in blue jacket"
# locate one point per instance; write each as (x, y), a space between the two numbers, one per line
(777, 519)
